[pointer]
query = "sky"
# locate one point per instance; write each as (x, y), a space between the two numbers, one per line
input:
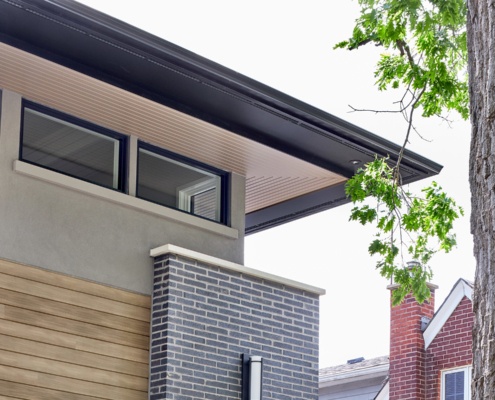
(288, 45)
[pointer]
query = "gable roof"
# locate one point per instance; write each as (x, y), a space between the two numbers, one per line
(461, 288)
(380, 365)
(296, 157)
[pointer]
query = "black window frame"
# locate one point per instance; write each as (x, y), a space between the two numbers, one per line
(223, 175)
(121, 138)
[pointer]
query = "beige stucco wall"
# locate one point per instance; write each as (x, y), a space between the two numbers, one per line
(61, 228)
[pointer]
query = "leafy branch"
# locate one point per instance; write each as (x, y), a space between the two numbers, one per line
(427, 222)
(425, 49)
(425, 56)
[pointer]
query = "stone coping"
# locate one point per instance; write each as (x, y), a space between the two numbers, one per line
(170, 248)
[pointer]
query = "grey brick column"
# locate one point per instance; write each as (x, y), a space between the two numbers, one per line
(205, 316)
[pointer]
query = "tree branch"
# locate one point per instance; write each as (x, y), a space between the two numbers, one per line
(408, 132)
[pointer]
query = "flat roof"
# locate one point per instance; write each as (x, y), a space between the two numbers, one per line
(99, 46)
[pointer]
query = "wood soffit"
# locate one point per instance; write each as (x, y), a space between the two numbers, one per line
(272, 176)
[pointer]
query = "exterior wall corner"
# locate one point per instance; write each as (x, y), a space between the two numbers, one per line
(205, 316)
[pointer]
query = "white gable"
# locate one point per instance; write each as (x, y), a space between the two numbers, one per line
(460, 289)
(383, 394)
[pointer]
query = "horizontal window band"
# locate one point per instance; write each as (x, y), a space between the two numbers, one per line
(94, 190)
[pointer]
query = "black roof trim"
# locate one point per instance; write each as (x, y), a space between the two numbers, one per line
(296, 208)
(105, 48)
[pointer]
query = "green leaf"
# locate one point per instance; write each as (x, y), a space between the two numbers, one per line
(425, 55)
(426, 49)
(427, 222)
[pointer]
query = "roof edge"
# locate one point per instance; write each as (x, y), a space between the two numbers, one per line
(236, 102)
(149, 43)
(356, 375)
(384, 392)
(146, 43)
(460, 290)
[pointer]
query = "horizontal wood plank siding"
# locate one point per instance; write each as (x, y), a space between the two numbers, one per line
(72, 341)
(68, 296)
(21, 391)
(67, 282)
(63, 337)
(76, 313)
(68, 355)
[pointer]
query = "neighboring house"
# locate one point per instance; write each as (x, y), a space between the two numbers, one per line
(430, 354)
(130, 172)
(358, 379)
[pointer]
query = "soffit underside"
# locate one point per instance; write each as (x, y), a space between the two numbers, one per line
(272, 176)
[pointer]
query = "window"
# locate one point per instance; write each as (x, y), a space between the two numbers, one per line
(456, 384)
(175, 181)
(73, 147)
(82, 150)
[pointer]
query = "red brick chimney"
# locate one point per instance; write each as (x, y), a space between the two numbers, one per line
(407, 348)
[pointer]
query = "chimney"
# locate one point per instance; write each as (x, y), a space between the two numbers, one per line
(407, 347)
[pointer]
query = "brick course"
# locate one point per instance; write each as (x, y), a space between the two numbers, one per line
(407, 357)
(415, 373)
(204, 317)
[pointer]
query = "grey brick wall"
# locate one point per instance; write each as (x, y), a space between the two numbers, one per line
(204, 317)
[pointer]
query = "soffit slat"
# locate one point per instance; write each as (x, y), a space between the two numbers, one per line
(87, 98)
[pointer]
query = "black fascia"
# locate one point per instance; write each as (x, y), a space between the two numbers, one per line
(110, 50)
(296, 208)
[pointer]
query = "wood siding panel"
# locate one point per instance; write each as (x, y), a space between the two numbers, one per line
(73, 297)
(27, 392)
(72, 341)
(70, 370)
(67, 282)
(62, 337)
(68, 385)
(74, 327)
(51, 307)
(64, 354)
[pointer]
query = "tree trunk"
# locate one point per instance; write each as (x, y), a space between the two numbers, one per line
(481, 46)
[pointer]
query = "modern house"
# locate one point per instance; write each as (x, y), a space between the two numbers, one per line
(430, 355)
(130, 172)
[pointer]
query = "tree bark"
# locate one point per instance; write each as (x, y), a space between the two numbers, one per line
(481, 65)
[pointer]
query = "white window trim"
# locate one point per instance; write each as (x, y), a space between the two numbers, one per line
(186, 192)
(467, 380)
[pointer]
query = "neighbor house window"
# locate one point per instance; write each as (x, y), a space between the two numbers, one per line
(456, 384)
(178, 182)
(73, 147)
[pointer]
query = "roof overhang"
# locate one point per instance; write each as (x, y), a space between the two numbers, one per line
(95, 45)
